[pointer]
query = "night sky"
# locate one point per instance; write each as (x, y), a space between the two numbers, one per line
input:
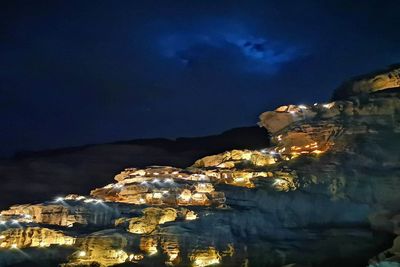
(78, 72)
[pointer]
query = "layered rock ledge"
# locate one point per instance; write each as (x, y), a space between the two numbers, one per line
(326, 193)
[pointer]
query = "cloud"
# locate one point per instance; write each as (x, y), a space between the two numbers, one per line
(234, 45)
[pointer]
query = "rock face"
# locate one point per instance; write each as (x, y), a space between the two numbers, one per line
(90, 212)
(324, 194)
(366, 84)
(33, 237)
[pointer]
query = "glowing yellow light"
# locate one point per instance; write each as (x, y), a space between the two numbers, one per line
(135, 257)
(82, 253)
(201, 263)
(239, 179)
(157, 195)
(317, 151)
(152, 250)
(190, 216)
(173, 255)
(199, 196)
(329, 105)
(185, 195)
(204, 187)
(302, 107)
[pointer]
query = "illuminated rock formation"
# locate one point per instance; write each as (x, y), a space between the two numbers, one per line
(329, 178)
(63, 212)
(151, 218)
(100, 248)
(205, 257)
(366, 84)
(14, 238)
(232, 158)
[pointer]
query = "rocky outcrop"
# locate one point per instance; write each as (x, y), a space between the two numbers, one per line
(366, 84)
(99, 249)
(230, 159)
(151, 218)
(330, 177)
(18, 238)
(85, 212)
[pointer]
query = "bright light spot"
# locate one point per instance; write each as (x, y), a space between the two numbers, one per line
(153, 251)
(205, 262)
(169, 180)
(136, 257)
(157, 195)
(59, 199)
(14, 246)
(202, 177)
(239, 180)
(2, 222)
(278, 181)
(98, 201)
(317, 151)
(185, 196)
(82, 253)
(292, 112)
(14, 221)
(190, 216)
(155, 181)
(118, 185)
(2, 236)
(302, 107)
(329, 105)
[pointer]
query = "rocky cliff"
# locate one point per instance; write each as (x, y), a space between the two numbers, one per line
(325, 193)
(370, 83)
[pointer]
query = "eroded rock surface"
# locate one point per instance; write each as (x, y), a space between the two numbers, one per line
(331, 177)
(366, 84)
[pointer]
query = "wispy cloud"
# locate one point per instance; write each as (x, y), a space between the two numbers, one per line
(248, 51)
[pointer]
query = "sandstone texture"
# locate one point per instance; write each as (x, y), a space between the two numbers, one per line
(324, 193)
(370, 83)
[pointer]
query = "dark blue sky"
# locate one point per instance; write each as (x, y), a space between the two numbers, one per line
(77, 72)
